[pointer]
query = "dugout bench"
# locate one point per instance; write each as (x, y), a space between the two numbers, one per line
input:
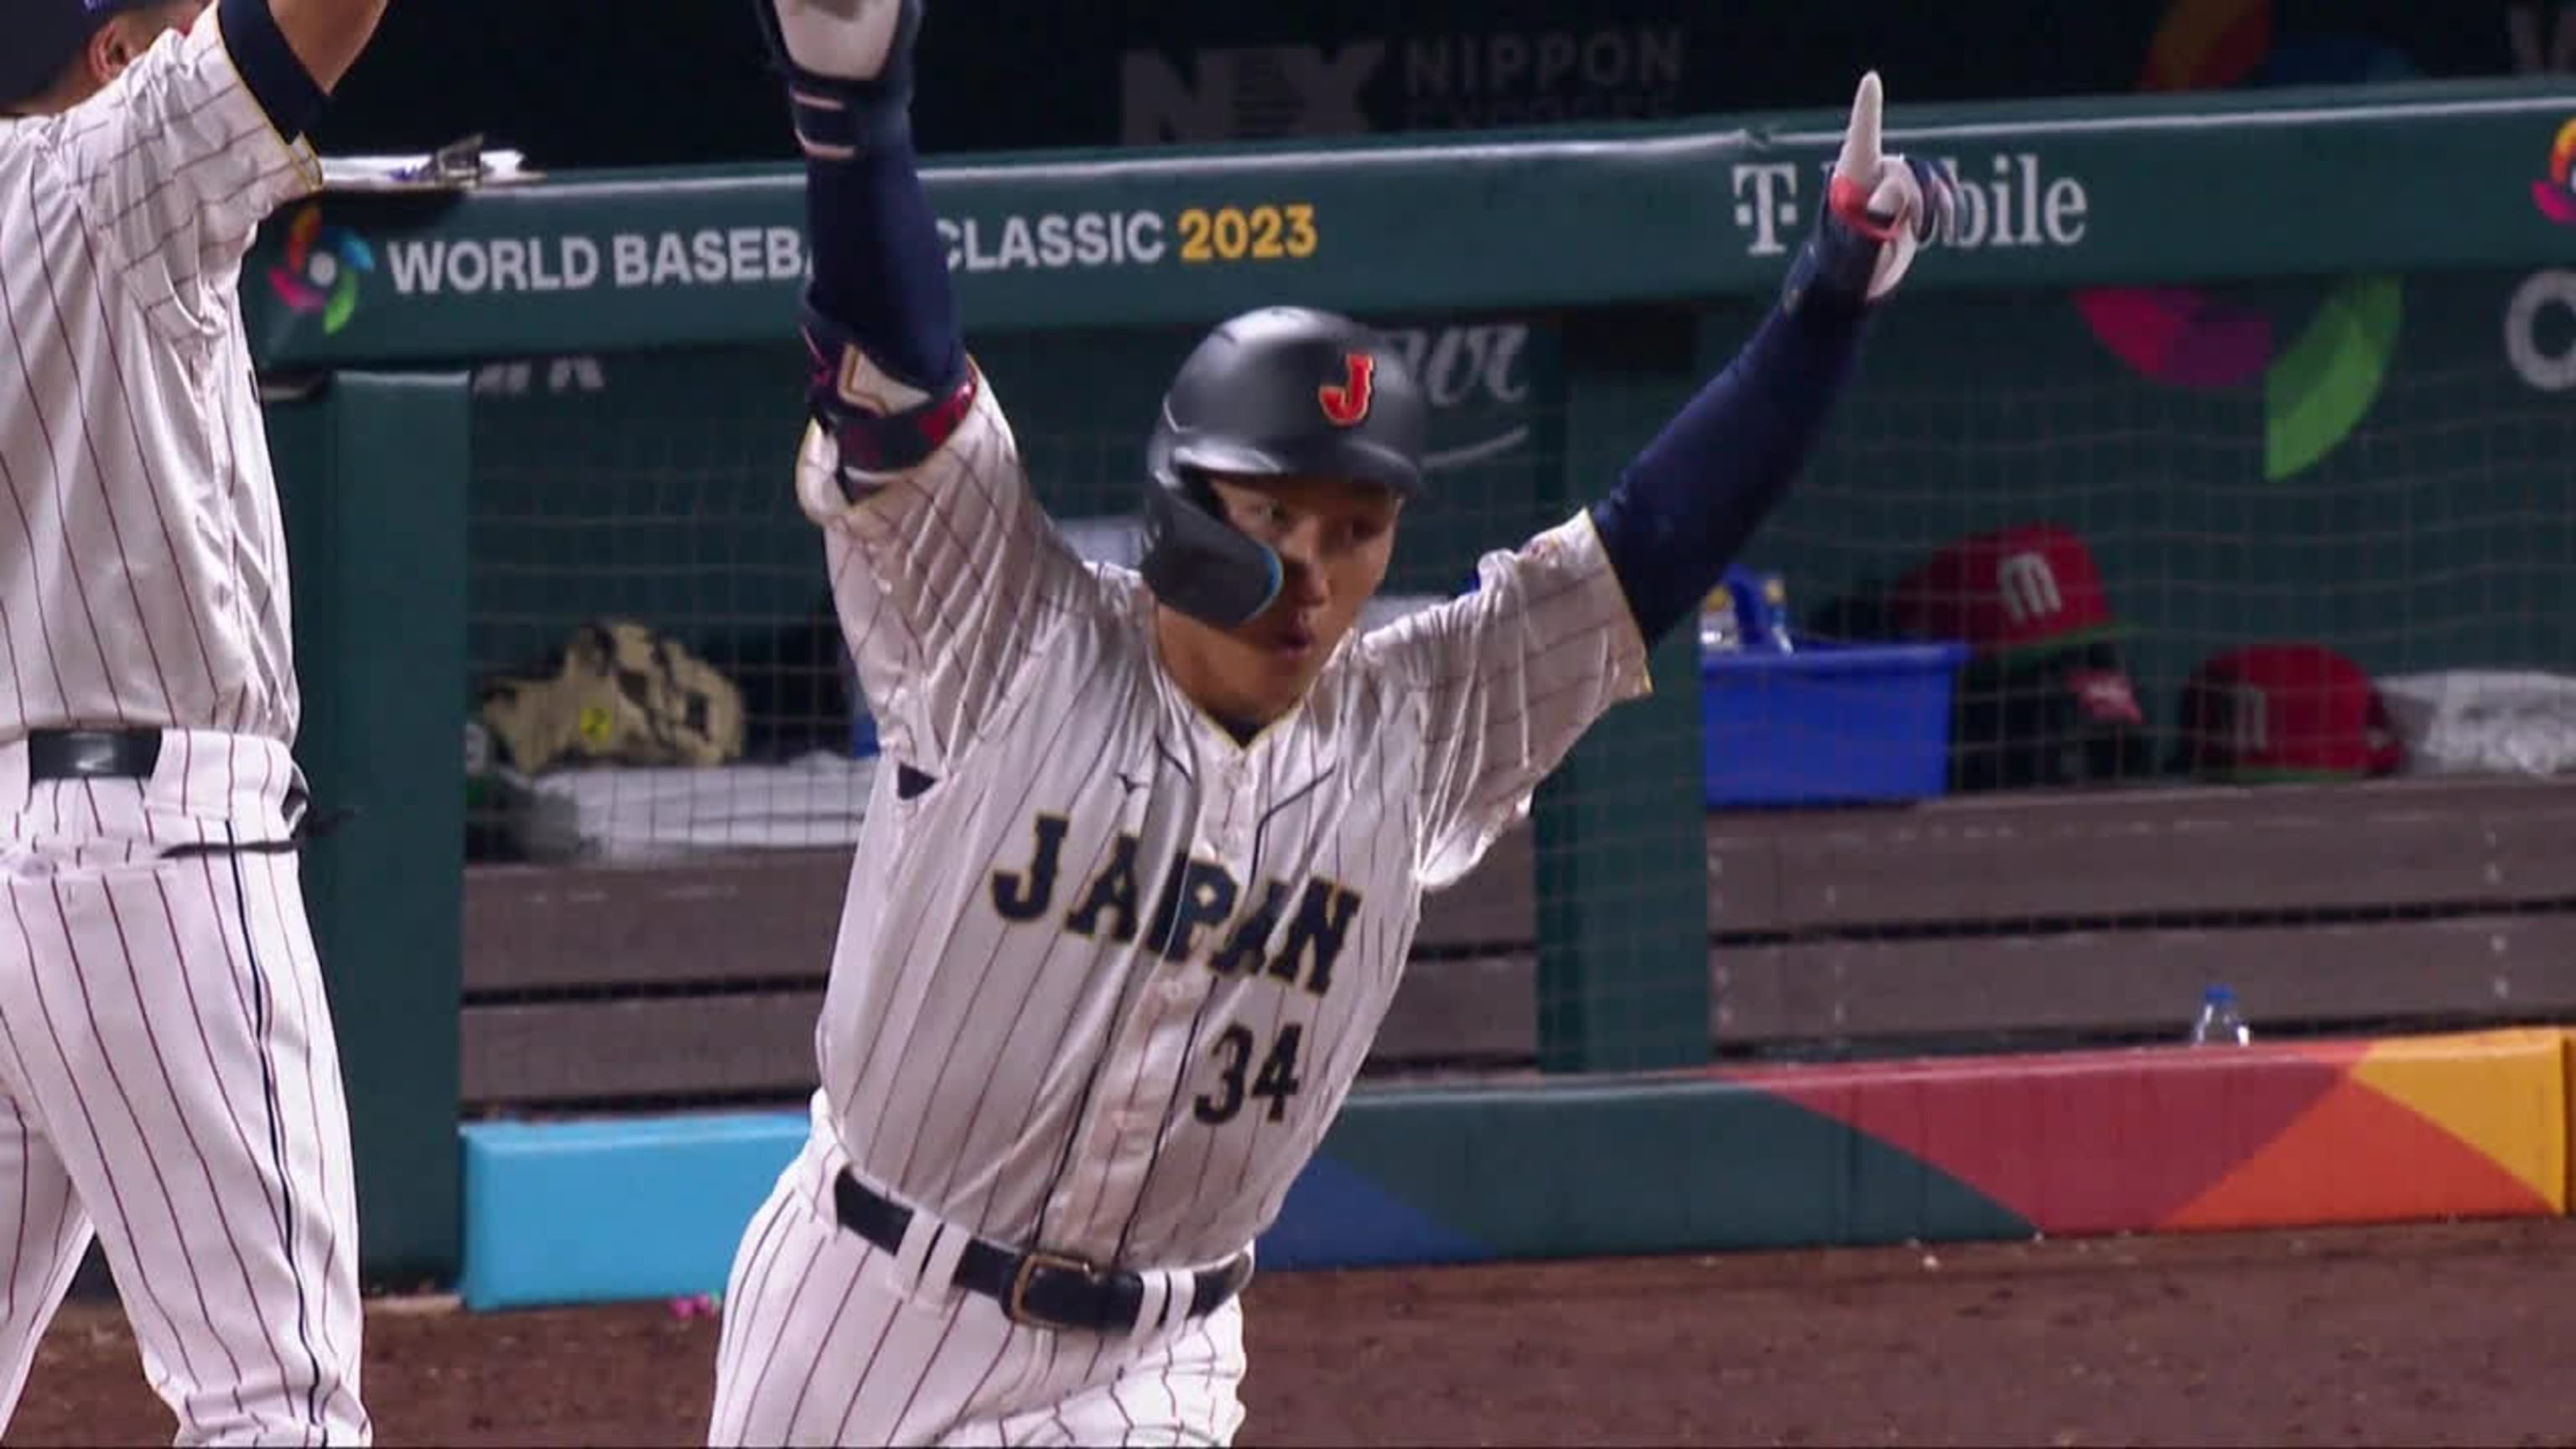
(2025, 921)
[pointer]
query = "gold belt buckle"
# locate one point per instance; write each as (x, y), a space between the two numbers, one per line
(1015, 1305)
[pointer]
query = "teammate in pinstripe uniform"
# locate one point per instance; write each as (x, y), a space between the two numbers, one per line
(1135, 888)
(167, 1069)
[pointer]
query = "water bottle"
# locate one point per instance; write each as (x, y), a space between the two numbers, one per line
(1720, 631)
(1769, 607)
(2219, 1022)
(1760, 603)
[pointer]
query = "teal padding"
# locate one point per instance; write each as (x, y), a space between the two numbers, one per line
(614, 1210)
(1646, 1166)
(1337, 1217)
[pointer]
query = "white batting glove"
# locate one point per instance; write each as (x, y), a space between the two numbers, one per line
(846, 40)
(849, 69)
(1891, 201)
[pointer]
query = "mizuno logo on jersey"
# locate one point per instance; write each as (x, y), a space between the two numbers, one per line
(1199, 910)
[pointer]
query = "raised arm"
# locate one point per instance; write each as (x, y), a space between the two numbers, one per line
(947, 575)
(1696, 493)
(1558, 631)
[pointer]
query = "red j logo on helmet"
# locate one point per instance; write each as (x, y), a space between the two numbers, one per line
(1346, 403)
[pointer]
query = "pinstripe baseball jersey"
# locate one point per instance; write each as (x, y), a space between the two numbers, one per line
(143, 579)
(168, 1069)
(1105, 973)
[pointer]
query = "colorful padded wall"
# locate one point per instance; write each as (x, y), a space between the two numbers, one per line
(2146, 1140)
(2141, 1140)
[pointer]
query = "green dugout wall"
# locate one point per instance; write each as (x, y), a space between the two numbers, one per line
(373, 469)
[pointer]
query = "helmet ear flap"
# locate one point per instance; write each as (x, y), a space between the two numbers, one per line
(1197, 562)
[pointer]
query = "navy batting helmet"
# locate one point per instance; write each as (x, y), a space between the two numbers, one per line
(1274, 393)
(43, 37)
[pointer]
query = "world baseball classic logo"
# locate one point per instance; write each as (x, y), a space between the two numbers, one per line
(2319, 377)
(320, 270)
(2555, 195)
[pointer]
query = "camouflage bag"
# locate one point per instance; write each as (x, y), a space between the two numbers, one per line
(620, 693)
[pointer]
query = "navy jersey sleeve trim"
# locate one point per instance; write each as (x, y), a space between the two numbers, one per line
(285, 91)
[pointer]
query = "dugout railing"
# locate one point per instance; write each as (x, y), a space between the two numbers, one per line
(1627, 926)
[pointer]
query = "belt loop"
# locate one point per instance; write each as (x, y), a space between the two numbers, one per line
(1165, 1302)
(166, 785)
(948, 1244)
(924, 1265)
(912, 1256)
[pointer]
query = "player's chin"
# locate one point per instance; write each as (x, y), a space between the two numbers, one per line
(1278, 672)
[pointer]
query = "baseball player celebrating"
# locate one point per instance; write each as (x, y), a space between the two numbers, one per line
(168, 1073)
(1135, 890)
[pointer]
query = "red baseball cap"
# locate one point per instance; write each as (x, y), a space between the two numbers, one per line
(2286, 711)
(2029, 592)
(2032, 586)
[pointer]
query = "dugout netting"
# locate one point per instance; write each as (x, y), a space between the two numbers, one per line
(2018, 567)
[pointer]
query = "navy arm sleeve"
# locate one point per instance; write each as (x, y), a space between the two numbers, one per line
(880, 270)
(880, 283)
(1689, 500)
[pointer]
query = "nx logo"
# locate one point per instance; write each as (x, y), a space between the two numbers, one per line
(1450, 81)
(1246, 92)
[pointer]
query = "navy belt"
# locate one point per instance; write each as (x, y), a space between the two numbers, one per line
(1037, 1290)
(92, 754)
(56, 755)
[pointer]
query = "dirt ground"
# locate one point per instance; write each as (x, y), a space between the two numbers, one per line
(2453, 1334)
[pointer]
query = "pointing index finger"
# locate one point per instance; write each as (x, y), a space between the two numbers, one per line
(1860, 140)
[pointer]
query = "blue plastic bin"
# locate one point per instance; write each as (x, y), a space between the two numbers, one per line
(1829, 724)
